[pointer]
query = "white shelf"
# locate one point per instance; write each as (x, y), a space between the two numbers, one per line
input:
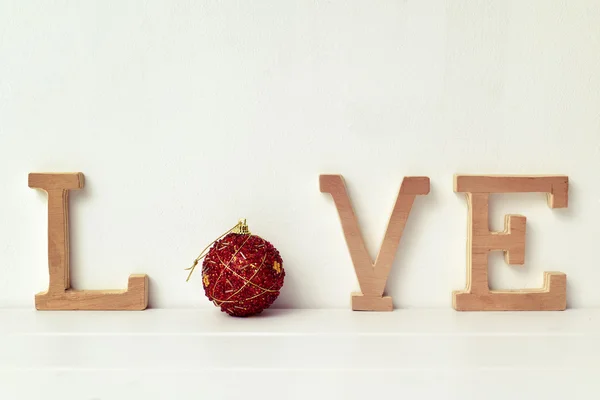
(204, 354)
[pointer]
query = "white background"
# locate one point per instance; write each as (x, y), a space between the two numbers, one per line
(185, 116)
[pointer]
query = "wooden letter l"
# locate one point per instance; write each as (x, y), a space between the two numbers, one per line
(59, 295)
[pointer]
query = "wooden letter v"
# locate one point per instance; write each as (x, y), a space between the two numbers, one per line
(373, 276)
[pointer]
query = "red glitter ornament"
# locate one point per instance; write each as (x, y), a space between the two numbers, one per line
(242, 273)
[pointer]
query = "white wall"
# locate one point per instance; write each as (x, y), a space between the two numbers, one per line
(185, 116)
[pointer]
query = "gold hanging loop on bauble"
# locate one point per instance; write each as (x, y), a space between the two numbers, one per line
(241, 228)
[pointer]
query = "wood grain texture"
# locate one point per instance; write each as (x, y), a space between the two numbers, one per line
(59, 295)
(372, 276)
(477, 295)
(556, 187)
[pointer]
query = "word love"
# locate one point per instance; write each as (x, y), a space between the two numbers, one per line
(372, 276)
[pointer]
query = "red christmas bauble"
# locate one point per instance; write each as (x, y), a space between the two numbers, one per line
(242, 273)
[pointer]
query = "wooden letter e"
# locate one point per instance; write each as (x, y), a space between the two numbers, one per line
(477, 295)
